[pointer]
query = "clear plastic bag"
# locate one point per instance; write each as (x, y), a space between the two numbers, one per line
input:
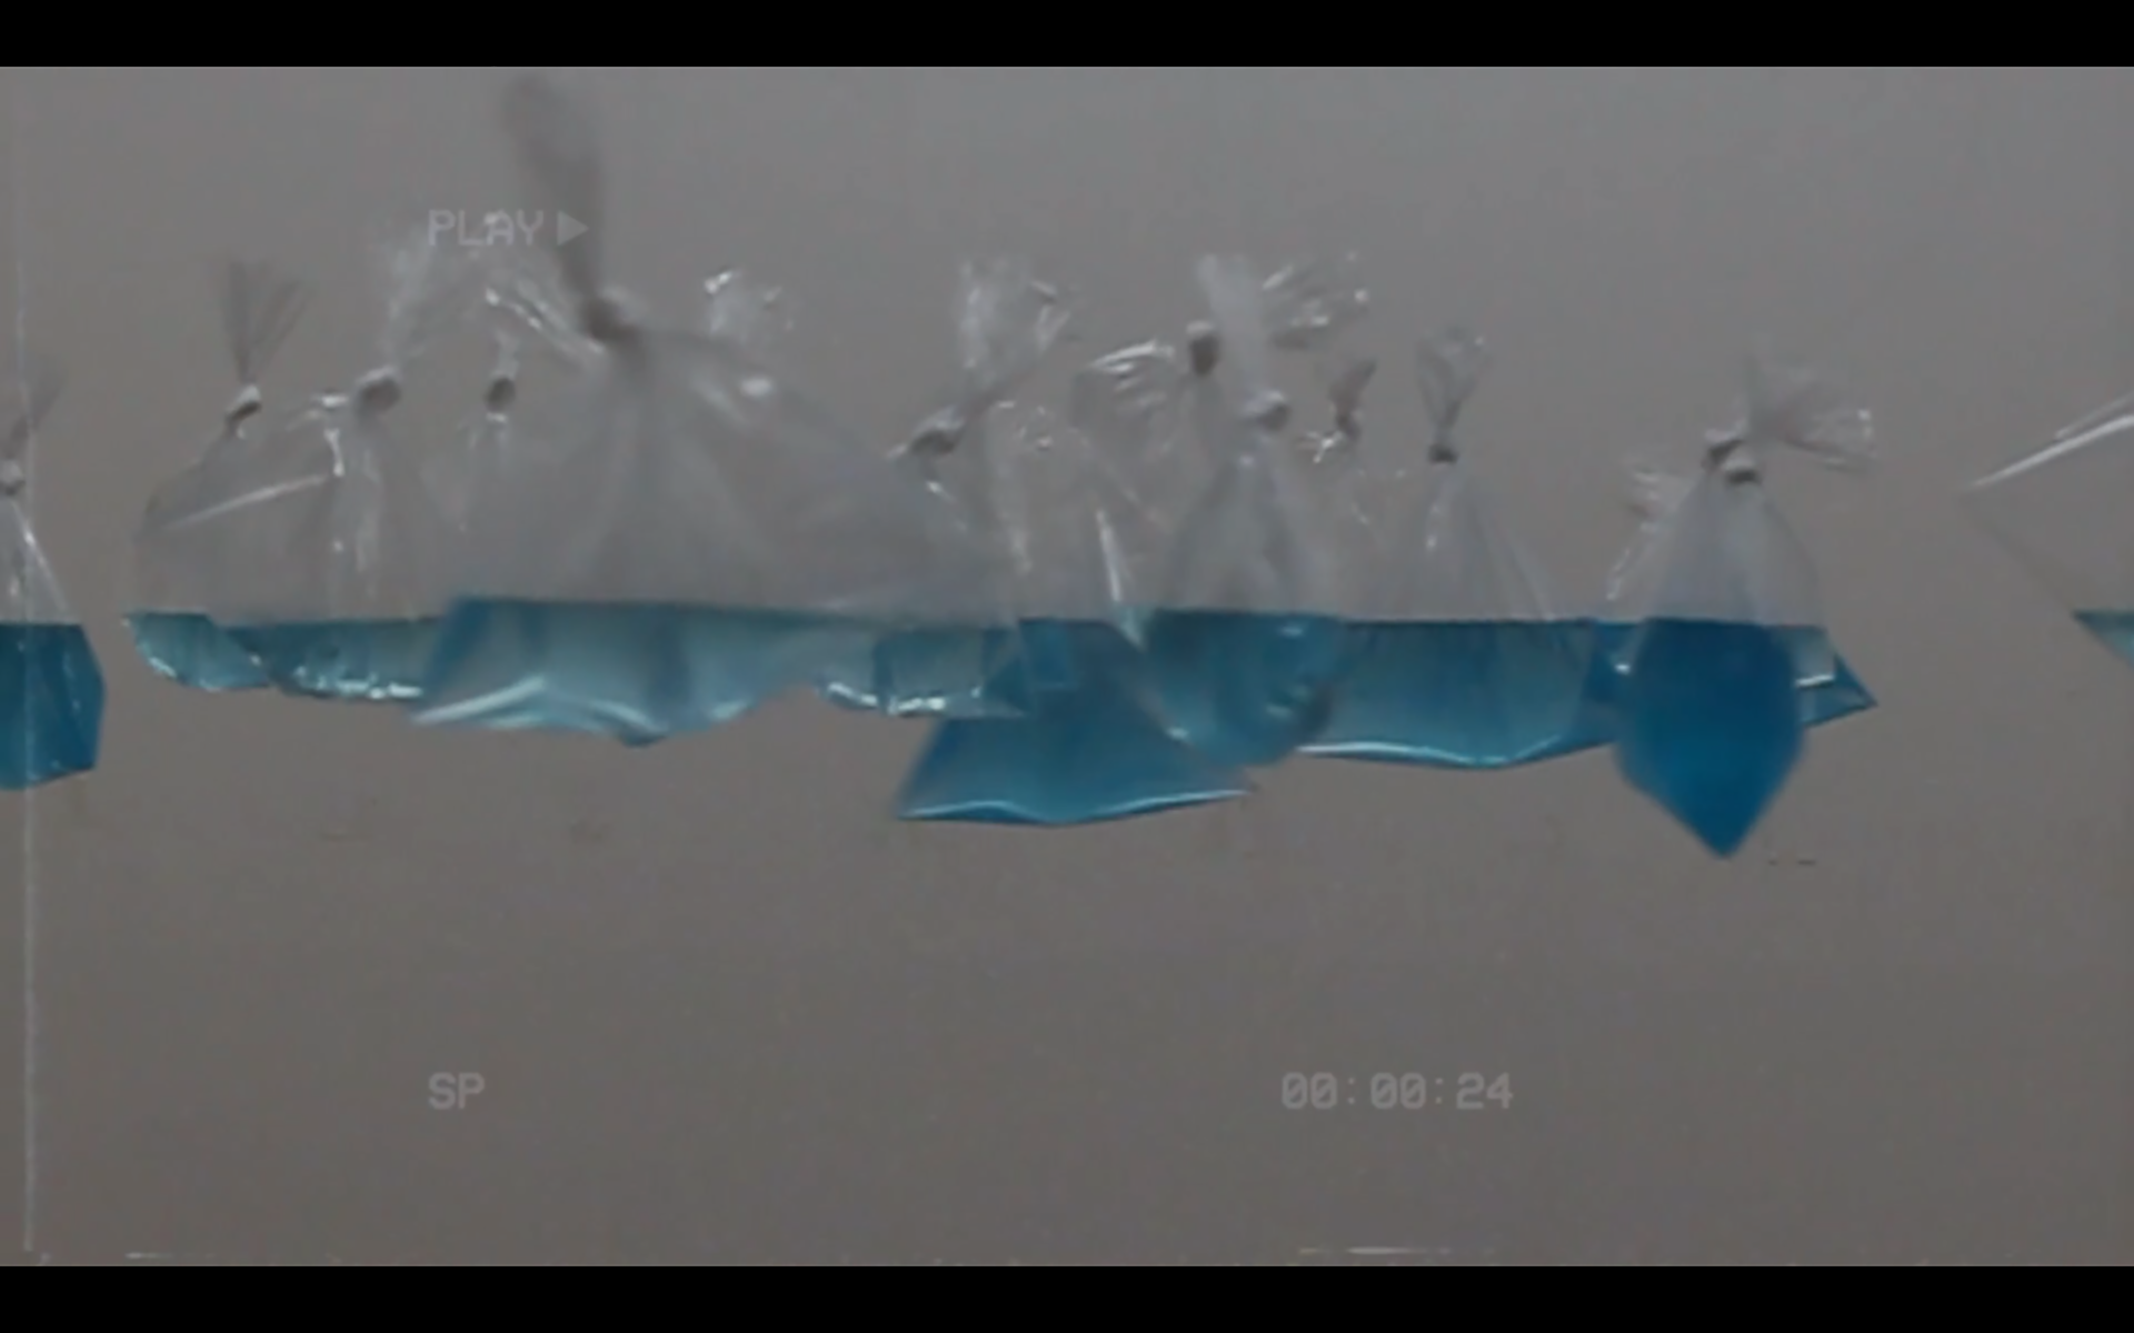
(1008, 320)
(1350, 485)
(335, 544)
(1087, 745)
(1462, 658)
(484, 448)
(1134, 406)
(2061, 513)
(1246, 640)
(181, 551)
(690, 536)
(1710, 721)
(51, 688)
(1829, 690)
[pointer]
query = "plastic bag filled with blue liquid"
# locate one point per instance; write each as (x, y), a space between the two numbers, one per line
(181, 551)
(2061, 512)
(1246, 637)
(1709, 716)
(1829, 689)
(1088, 746)
(51, 689)
(690, 535)
(333, 540)
(1007, 319)
(1462, 659)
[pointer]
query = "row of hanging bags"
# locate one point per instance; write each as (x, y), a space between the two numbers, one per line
(1087, 743)
(689, 535)
(1244, 628)
(305, 551)
(1461, 658)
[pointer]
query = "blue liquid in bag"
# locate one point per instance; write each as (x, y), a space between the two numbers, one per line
(355, 661)
(2113, 629)
(1464, 694)
(936, 671)
(1245, 689)
(194, 651)
(51, 704)
(1825, 697)
(1710, 724)
(1087, 751)
(639, 672)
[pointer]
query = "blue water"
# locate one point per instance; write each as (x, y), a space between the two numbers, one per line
(1245, 689)
(639, 672)
(51, 704)
(355, 661)
(937, 671)
(1464, 694)
(192, 650)
(2113, 629)
(1710, 724)
(1087, 749)
(1823, 697)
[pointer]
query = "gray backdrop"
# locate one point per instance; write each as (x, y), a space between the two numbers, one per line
(723, 1010)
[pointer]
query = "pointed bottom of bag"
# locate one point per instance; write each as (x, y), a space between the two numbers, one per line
(1710, 725)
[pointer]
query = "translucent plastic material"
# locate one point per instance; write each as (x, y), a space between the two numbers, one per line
(483, 450)
(1461, 659)
(1709, 711)
(1087, 746)
(51, 689)
(1348, 481)
(1007, 321)
(2062, 513)
(691, 536)
(1245, 637)
(1828, 688)
(181, 549)
(1133, 405)
(330, 539)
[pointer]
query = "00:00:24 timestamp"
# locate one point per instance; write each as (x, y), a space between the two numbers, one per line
(1397, 1092)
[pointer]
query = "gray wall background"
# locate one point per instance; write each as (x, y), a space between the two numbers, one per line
(726, 1011)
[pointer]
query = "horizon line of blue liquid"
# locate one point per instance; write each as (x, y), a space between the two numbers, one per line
(1494, 692)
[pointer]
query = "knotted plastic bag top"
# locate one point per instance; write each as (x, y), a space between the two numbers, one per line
(29, 592)
(676, 468)
(1136, 404)
(1725, 553)
(1448, 555)
(332, 518)
(1255, 540)
(1008, 319)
